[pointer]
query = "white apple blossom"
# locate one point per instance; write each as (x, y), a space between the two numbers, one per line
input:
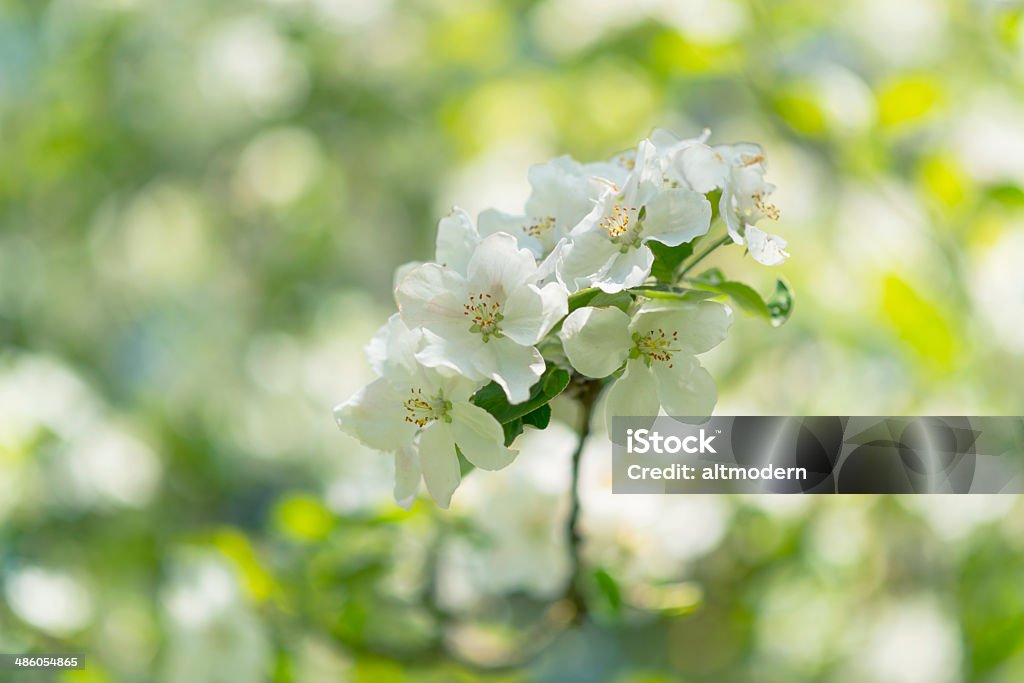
(738, 171)
(608, 248)
(421, 415)
(745, 201)
(658, 346)
(669, 153)
(561, 196)
(485, 323)
(484, 309)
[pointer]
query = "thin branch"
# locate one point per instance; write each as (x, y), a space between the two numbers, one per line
(573, 594)
(700, 257)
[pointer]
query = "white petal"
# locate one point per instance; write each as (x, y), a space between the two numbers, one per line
(391, 351)
(492, 221)
(675, 217)
(700, 325)
(748, 184)
(456, 240)
(480, 437)
(532, 311)
(515, 368)
(432, 296)
(704, 168)
(613, 171)
(649, 188)
(560, 190)
(663, 140)
(766, 248)
(400, 273)
(633, 395)
(500, 267)
(743, 154)
(585, 257)
(640, 172)
(556, 305)
(407, 475)
(439, 462)
(727, 209)
(596, 340)
(451, 353)
(540, 243)
(376, 349)
(524, 316)
(459, 387)
(626, 269)
(375, 416)
(547, 269)
(686, 390)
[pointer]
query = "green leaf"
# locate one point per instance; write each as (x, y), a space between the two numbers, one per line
(538, 419)
(582, 298)
(620, 300)
(609, 589)
(595, 297)
(492, 397)
(465, 466)
(711, 276)
(672, 293)
(746, 298)
(1007, 195)
(512, 430)
(667, 259)
(556, 382)
(534, 412)
(780, 304)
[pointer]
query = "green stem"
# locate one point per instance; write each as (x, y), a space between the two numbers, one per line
(701, 256)
(573, 594)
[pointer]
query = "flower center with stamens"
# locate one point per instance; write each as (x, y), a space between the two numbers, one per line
(767, 208)
(617, 223)
(624, 225)
(484, 313)
(656, 345)
(540, 226)
(422, 410)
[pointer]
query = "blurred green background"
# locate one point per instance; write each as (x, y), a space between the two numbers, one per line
(201, 206)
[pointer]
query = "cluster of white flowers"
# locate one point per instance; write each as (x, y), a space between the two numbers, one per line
(513, 297)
